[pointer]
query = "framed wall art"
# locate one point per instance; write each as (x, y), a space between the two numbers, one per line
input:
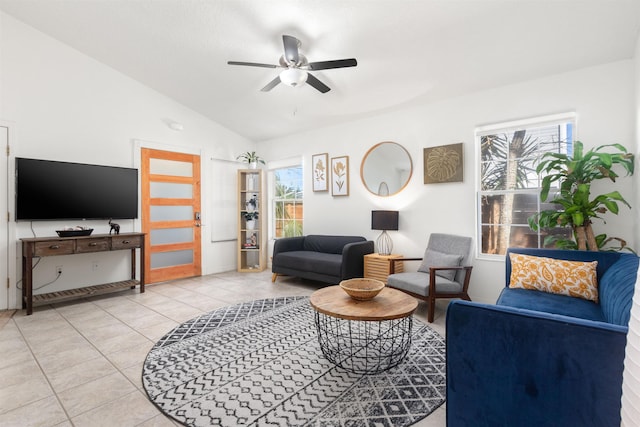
(319, 169)
(340, 176)
(443, 163)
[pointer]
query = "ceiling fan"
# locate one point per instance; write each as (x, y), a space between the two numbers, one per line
(296, 67)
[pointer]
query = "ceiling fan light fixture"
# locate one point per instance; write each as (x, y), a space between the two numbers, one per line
(296, 66)
(293, 77)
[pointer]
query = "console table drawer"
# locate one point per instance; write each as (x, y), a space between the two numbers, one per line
(126, 242)
(62, 247)
(93, 245)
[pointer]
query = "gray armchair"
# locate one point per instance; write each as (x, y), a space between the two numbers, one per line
(444, 272)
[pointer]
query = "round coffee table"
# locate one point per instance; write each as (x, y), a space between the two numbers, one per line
(364, 337)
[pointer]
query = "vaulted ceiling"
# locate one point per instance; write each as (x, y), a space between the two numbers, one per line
(408, 51)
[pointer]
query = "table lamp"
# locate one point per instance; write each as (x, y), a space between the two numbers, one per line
(384, 220)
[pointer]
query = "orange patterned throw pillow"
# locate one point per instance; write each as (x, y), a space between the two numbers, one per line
(557, 276)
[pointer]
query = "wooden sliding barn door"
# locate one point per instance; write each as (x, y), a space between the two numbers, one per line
(171, 214)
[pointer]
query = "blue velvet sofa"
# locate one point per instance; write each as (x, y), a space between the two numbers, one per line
(324, 258)
(541, 359)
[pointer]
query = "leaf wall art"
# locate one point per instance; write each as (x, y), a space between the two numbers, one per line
(320, 171)
(340, 176)
(443, 164)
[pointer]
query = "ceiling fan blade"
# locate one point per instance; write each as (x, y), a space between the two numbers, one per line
(273, 83)
(313, 81)
(252, 64)
(338, 63)
(291, 49)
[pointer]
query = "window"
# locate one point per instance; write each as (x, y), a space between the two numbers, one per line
(509, 187)
(287, 202)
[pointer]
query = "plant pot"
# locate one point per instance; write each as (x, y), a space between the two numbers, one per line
(251, 224)
(253, 165)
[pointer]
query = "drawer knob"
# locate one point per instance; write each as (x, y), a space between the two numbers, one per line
(93, 244)
(126, 242)
(54, 247)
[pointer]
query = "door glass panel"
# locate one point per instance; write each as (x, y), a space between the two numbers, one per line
(170, 167)
(171, 213)
(170, 190)
(163, 236)
(170, 259)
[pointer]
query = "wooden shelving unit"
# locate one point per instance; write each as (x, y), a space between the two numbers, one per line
(251, 234)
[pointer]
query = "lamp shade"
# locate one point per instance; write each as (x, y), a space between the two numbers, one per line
(293, 77)
(384, 220)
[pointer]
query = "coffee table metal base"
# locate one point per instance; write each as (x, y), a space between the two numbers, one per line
(364, 347)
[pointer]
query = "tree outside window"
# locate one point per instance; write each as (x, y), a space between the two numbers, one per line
(509, 186)
(288, 207)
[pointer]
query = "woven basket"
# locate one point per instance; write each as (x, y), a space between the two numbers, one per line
(362, 289)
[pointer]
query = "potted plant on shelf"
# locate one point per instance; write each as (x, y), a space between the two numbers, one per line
(250, 218)
(252, 158)
(252, 203)
(574, 175)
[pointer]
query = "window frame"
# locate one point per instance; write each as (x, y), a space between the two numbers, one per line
(507, 127)
(273, 166)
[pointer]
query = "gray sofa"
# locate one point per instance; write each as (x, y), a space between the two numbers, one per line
(328, 259)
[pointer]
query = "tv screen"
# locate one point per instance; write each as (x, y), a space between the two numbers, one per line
(50, 190)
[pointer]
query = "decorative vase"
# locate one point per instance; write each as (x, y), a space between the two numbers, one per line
(250, 182)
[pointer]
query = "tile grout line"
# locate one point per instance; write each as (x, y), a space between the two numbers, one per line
(35, 358)
(104, 356)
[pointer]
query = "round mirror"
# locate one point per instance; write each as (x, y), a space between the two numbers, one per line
(386, 168)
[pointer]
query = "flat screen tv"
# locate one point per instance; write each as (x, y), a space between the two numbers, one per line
(51, 190)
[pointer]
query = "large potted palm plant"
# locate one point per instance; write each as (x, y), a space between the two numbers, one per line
(572, 175)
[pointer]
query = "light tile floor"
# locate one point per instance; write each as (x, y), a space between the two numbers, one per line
(80, 363)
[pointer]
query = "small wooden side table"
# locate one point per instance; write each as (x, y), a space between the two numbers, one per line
(364, 337)
(379, 267)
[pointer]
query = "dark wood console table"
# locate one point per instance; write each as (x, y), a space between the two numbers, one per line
(54, 246)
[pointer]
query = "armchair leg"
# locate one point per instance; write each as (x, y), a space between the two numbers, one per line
(273, 277)
(432, 309)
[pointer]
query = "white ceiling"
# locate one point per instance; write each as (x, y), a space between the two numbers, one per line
(407, 51)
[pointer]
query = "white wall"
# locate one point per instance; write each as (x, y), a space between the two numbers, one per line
(63, 105)
(601, 96)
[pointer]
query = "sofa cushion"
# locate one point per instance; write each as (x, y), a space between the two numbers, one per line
(551, 303)
(440, 259)
(557, 276)
(329, 244)
(316, 262)
(605, 259)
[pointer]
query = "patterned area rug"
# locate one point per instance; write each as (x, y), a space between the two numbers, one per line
(259, 363)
